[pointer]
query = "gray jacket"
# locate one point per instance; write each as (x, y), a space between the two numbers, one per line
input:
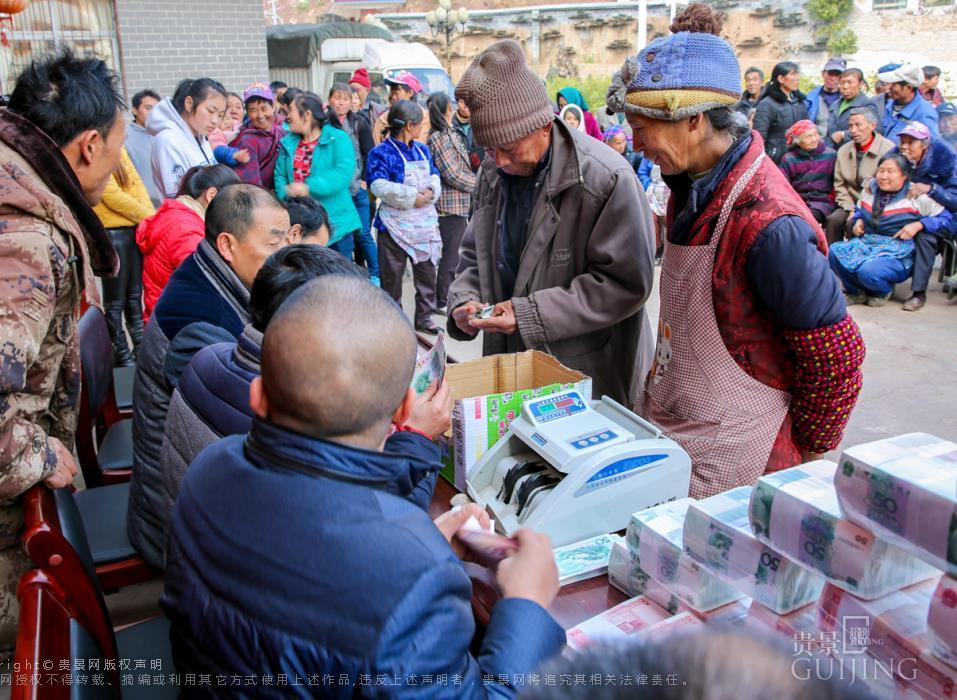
(585, 272)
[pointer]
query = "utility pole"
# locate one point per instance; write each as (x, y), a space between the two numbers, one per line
(274, 13)
(642, 24)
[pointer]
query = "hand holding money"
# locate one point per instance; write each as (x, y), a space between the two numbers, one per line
(530, 572)
(462, 315)
(432, 410)
(502, 320)
(451, 522)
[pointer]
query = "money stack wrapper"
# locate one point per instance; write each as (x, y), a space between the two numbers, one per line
(656, 535)
(893, 631)
(627, 576)
(624, 620)
(942, 621)
(904, 489)
(585, 559)
(718, 534)
(796, 512)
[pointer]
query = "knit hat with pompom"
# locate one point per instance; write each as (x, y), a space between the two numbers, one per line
(690, 72)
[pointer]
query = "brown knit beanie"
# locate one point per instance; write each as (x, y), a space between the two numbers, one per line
(507, 101)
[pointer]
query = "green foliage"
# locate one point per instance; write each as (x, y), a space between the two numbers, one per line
(842, 42)
(593, 89)
(828, 11)
(830, 17)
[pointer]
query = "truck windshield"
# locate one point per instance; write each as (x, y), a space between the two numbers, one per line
(432, 79)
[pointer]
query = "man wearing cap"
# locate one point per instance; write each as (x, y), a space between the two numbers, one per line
(947, 122)
(260, 135)
(363, 86)
(856, 164)
(881, 98)
(403, 86)
(758, 362)
(560, 240)
(905, 104)
(820, 99)
(934, 174)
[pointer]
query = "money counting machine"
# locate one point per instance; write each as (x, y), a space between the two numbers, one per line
(574, 469)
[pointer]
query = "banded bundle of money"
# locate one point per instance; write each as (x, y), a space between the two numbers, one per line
(730, 615)
(797, 513)
(718, 534)
(656, 535)
(904, 489)
(942, 621)
(893, 631)
(624, 620)
(585, 559)
(627, 576)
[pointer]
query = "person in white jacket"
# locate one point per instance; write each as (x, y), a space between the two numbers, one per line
(180, 126)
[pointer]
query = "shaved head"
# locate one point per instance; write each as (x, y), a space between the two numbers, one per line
(337, 360)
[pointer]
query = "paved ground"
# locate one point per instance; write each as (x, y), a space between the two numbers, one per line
(910, 384)
(910, 374)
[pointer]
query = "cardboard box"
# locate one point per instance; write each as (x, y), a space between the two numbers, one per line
(488, 395)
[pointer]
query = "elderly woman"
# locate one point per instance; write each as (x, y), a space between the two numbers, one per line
(809, 167)
(885, 223)
(758, 363)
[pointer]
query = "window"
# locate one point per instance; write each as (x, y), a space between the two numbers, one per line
(86, 27)
(889, 5)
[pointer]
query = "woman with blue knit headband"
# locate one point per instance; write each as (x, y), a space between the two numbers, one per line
(758, 363)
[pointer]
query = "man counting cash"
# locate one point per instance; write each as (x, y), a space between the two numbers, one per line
(560, 241)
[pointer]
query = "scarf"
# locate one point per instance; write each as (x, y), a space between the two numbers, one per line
(221, 276)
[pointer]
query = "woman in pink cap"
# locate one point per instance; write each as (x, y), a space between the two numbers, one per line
(259, 137)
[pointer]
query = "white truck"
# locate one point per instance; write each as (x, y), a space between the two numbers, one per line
(315, 56)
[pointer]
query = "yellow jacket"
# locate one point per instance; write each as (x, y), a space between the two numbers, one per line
(124, 208)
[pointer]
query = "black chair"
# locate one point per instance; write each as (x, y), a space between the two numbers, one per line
(947, 247)
(104, 440)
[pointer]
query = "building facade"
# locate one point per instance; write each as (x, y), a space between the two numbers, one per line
(151, 43)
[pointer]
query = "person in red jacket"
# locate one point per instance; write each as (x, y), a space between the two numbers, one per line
(171, 235)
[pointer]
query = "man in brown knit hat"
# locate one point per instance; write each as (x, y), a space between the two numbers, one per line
(561, 240)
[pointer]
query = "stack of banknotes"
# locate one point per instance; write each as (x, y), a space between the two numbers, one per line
(624, 620)
(904, 489)
(893, 631)
(942, 621)
(627, 576)
(656, 536)
(585, 559)
(718, 534)
(796, 512)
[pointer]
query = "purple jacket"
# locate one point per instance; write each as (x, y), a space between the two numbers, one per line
(811, 174)
(263, 147)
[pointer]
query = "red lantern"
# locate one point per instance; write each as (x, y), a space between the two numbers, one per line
(12, 7)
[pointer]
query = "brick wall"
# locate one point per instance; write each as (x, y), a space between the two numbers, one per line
(165, 41)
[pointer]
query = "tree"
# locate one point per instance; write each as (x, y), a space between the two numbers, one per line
(830, 19)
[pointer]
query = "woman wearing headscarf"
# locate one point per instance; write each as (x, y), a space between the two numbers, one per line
(809, 167)
(572, 96)
(758, 363)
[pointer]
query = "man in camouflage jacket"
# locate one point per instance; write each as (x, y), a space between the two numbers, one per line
(60, 142)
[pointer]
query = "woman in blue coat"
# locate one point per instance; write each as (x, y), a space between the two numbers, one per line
(317, 160)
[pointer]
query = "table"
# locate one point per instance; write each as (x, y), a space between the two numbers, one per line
(575, 603)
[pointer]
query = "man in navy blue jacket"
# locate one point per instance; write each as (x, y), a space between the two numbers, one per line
(203, 303)
(935, 174)
(212, 399)
(295, 549)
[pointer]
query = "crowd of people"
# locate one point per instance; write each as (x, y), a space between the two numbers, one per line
(831, 145)
(252, 250)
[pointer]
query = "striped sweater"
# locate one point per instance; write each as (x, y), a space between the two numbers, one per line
(898, 210)
(811, 174)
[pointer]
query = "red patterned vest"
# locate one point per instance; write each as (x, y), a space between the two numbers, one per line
(754, 339)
